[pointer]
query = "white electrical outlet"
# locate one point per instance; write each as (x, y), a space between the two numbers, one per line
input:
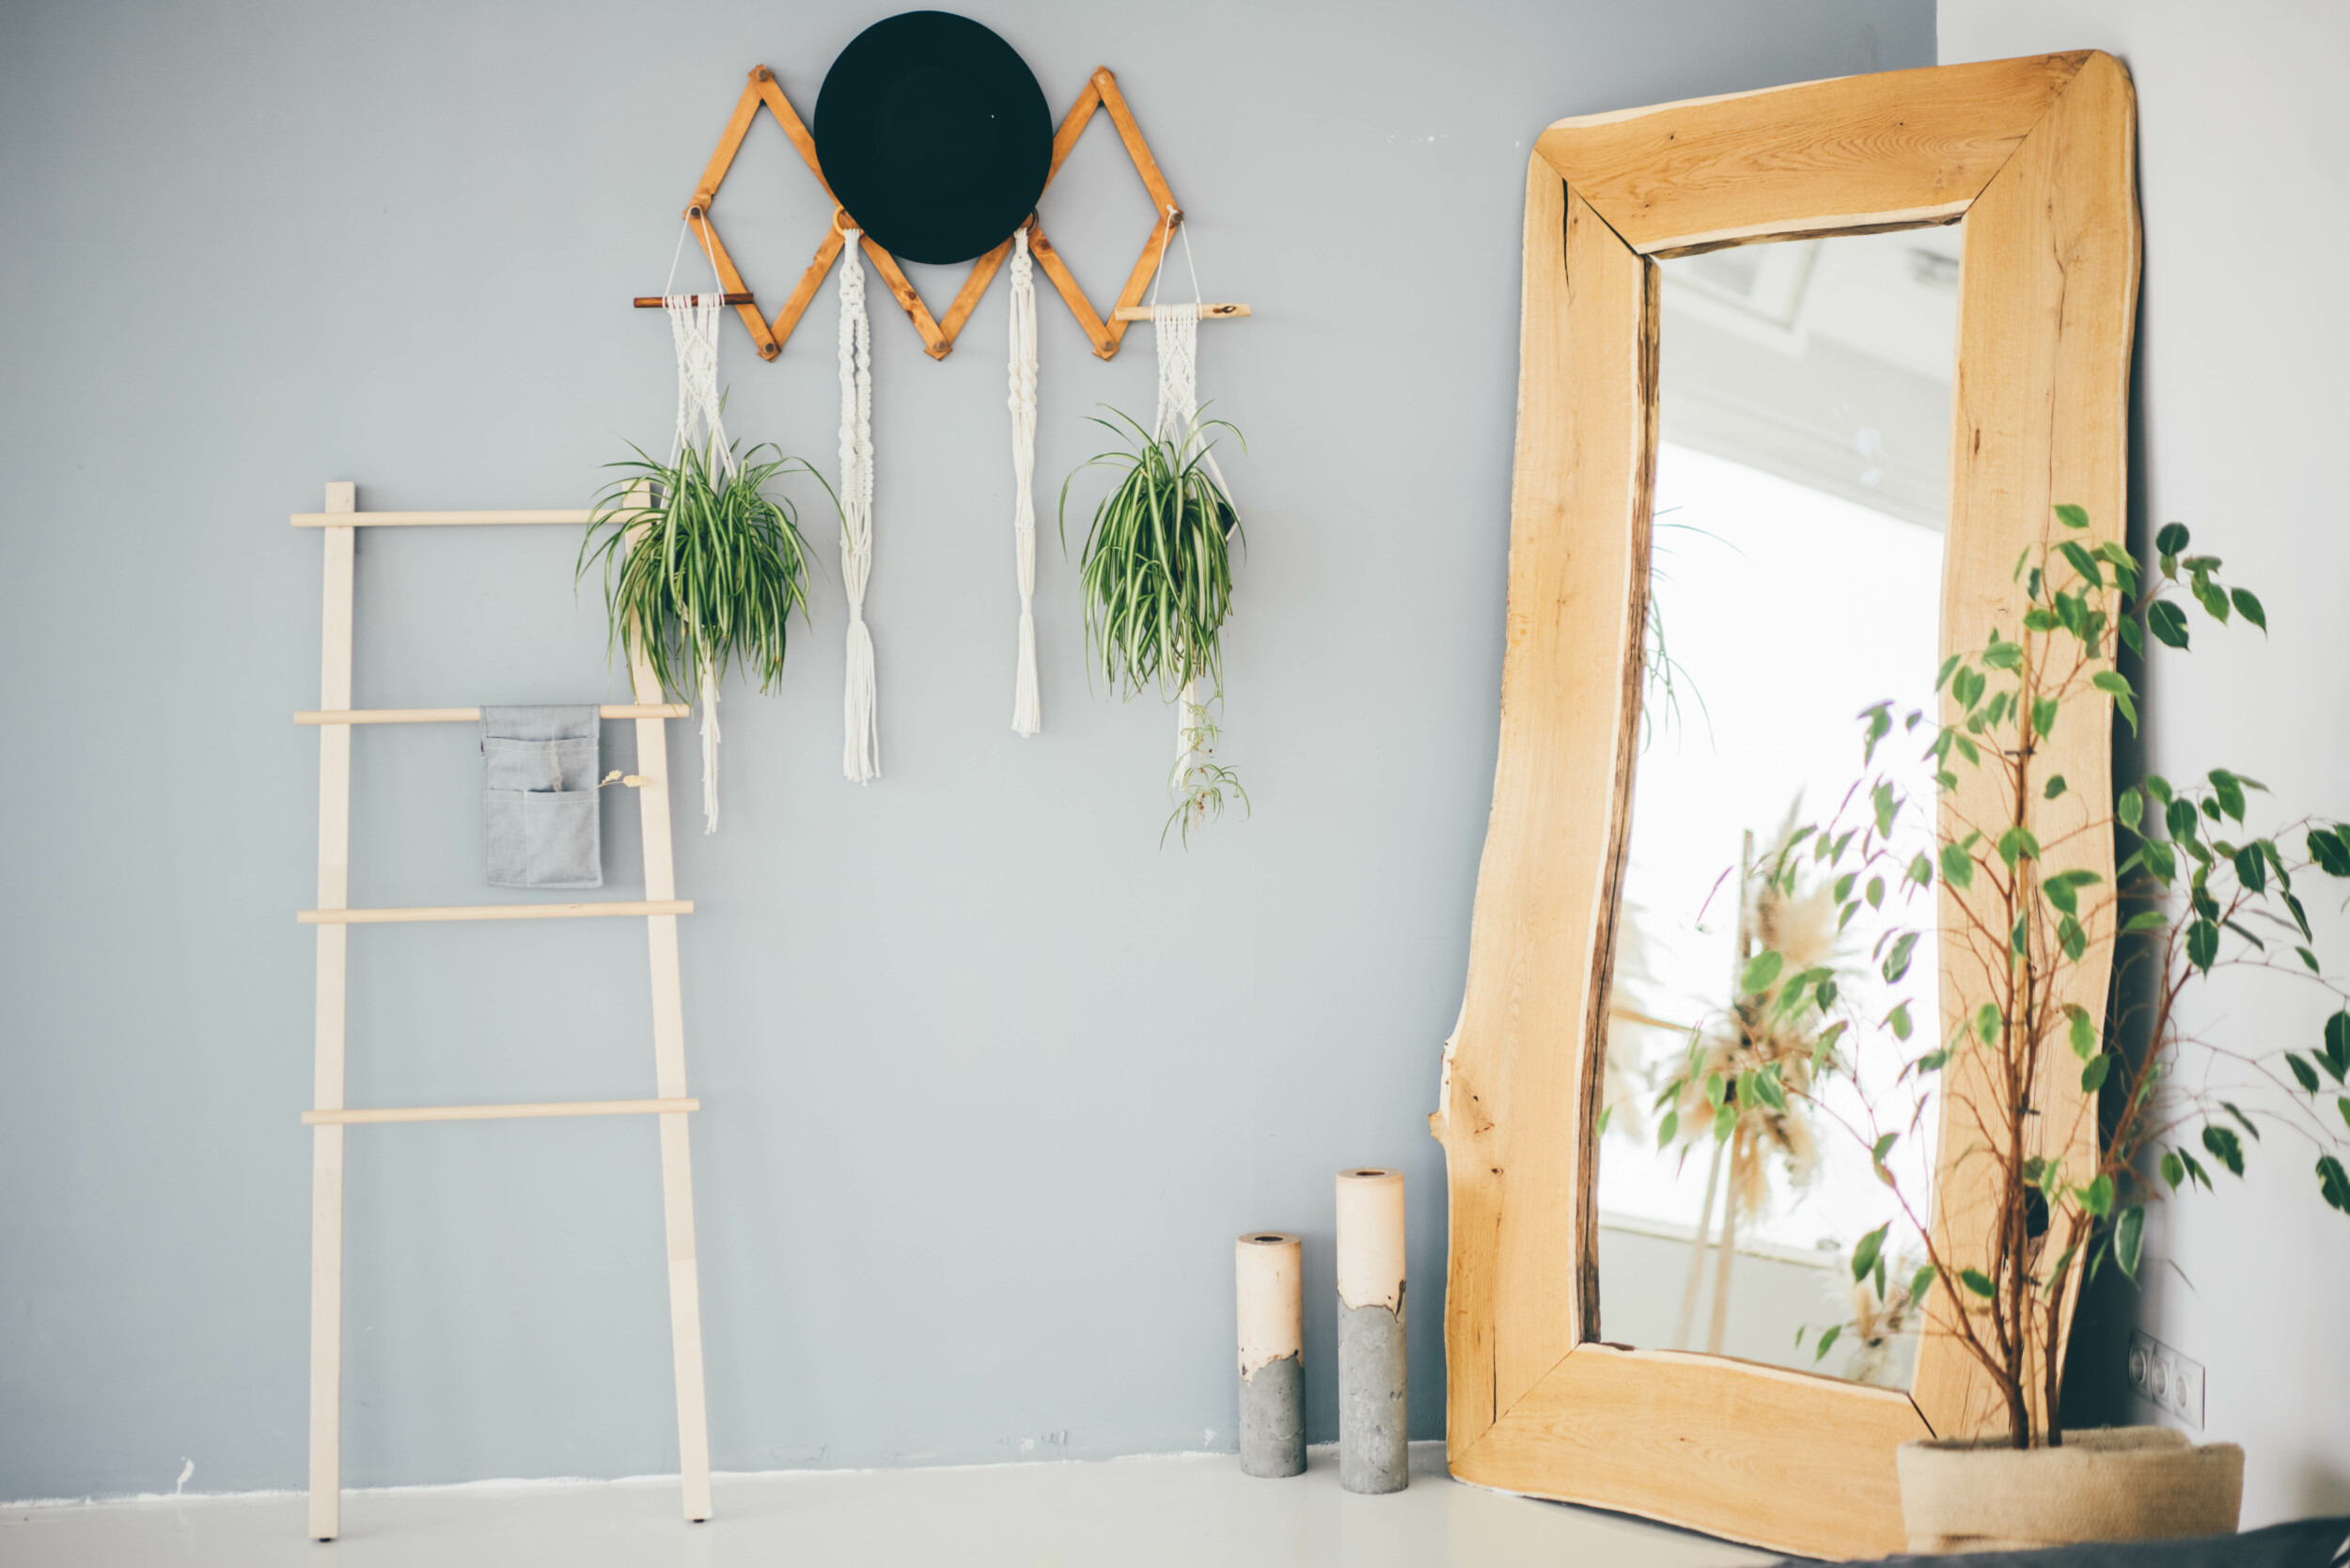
(2163, 1377)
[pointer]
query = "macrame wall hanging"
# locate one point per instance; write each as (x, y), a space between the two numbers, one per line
(942, 176)
(694, 328)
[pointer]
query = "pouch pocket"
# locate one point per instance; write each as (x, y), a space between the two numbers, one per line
(563, 847)
(565, 765)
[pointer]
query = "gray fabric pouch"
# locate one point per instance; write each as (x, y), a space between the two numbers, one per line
(541, 816)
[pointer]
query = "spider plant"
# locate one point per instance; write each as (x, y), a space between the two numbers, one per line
(702, 568)
(1156, 574)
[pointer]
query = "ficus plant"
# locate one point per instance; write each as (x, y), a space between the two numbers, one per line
(1155, 571)
(2026, 932)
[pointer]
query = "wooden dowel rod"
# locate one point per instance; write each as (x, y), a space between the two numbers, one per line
(464, 716)
(654, 302)
(1207, 312)
(427, 519)
(496, 1113)
(491, 912)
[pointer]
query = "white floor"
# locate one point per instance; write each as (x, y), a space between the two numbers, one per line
(1197, 1512)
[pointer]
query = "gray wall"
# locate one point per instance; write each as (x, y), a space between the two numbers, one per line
(991, 1080)
(2236, 431)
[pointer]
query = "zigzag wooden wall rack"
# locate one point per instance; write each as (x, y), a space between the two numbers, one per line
(938, 335)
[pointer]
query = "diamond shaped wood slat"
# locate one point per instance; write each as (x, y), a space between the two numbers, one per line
(939, 336)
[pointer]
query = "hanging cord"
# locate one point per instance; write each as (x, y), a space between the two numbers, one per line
(1028, 715)
(694, 321)
(860, 758)
(1177, 327)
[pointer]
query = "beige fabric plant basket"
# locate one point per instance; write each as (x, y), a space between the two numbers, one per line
(2105, 1484)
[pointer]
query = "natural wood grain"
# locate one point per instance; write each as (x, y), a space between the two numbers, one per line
(730, 279)
(1823, 157)
(2049, 294)
(2036, 154)
(655, 302)
(461, 715)
(1207, 312)
(326, 1087)
(434, 519)
(494, 911)
(1779, 1458)
(1518, 1297)
(1097, 332)
(497, 1113)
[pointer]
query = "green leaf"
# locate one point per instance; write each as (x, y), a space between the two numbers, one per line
(2072, 939)
(2093, 1075)
(2111, 681)
(1897, 962)
(2308, 957)
(2225, 1147)
(1725, 1119)
(1882, 798)
(1987, 1022)
(2129, 808)
(1668, 1128)
(2331, 852)
(1716, 1089)
(1874, 892)
(2229, 792)
(2145, 919)
(1942, 679)
(1827, 1341)
(2056, 780)
(2082, 1030)
(1978, 1281)
(2336, 1054)
(1920, 1283)
(2172, 1171)
(2195, 1169)
(2070, 515)
(2251, 870)
(2168, 622)
(1899, 1020)
(2236, 1111)
(2203, 944)
(1767, 1090)
(2082, 562)
(2303, 1074)
(2097, 1197)
(2132, 637)
(2002, 655)
(1864, 1252)
(1843, 886)
(2333, 1183)
(1883, 1147)
(2249, 607)
(2341, 1104)
(2129, 1236)
(1958, 866)
(2172, 540)
(1761, 971)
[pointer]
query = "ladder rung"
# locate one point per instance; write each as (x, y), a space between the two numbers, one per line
(427, 519)
(496, 1113)
(464, 716)
(491, 912)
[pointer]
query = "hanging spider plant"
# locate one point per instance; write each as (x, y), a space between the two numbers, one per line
(702, 568)
(1156, 574)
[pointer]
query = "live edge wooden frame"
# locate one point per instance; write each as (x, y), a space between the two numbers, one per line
(2037, 155)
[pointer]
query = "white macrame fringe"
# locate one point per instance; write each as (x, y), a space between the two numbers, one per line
(694, 321)
(1027, 714)
(1177, 328)
(860, 757)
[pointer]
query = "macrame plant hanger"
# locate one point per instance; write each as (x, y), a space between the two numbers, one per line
(694, 327)
(1178, 330)
(1028, 715)
(860, 757)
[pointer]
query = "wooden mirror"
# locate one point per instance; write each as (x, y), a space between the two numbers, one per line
(2036, 157)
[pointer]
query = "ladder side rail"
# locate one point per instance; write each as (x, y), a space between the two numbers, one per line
(326, 1154)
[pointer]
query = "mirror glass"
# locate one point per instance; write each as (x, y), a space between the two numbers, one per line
(1802, 485)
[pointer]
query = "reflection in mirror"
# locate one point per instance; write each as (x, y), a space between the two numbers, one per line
(1795, 571)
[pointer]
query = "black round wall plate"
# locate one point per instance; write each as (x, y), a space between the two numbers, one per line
(934, 136)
